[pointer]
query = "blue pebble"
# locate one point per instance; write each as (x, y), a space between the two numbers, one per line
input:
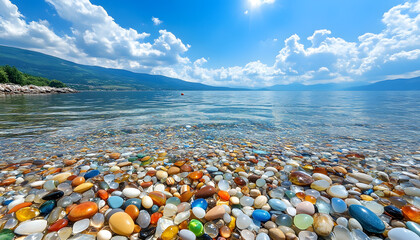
(132, 201)
(154, 208)
(7, 202)
(261, 215)
(338, 205)
(277, 204)
(284, 220)
(47, 207)
(91, 174)
(368, 219)
(115, 201)
(413, 227)
(368, 192)
(200, 202)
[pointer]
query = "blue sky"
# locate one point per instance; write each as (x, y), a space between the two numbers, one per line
(231, 43)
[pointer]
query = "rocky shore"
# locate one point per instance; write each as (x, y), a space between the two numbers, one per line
(32, 89)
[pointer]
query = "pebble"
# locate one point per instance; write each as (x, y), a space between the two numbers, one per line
(402, 234)
(369, 221)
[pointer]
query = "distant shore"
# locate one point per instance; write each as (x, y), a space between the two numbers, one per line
(32, 89)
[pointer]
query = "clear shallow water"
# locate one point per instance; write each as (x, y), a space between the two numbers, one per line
(369, 116)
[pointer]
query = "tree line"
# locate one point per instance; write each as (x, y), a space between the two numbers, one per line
(10, 74)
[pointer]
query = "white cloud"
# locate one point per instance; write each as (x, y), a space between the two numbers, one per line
(156, 21)
(257, 3)
(246, 12)
(97, 39)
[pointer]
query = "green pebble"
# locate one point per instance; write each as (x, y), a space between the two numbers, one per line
(196, 227)
(6, 234)
(303, 221)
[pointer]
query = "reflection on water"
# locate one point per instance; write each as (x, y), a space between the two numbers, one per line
(393, 116)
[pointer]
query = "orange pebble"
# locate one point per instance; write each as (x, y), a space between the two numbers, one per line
(77, 181)
(412, 213)
(310, 199)
(224, 195)
(133, 211)
(19, 206)
(103, 194)
(155, 217)
(300, 195)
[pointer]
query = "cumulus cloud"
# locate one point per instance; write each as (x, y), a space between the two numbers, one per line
(156, 21)
(97, 39)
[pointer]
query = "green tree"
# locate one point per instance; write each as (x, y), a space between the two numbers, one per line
(57, 84)
(3, 76)
(15, 76)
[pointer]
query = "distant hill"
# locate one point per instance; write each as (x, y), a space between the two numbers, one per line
(412, 84)
(85, 77)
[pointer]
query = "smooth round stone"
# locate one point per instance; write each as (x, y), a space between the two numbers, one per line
(303, 221)
(91, 174)
(173, 200)
(158, 198)
(359, 235)
(368, 219)
(198, 212)
(261, 215)
(320, 185)
(375, 207)
(80, 225)
(338, 191)
(121, 223)
(354, 224)
(182, 216)
(83, 210)
(413, 227)
(53, 195)
(402, 234)
(215, 213)
(200, 202)
(342, 221)
(284, 220)
(223, 185)
(260, 182)
(170, 233)
(143, 220)
(29, 227)
(243, 221)
(262, 236)
(307, 235)
(246, 201)
(305, 207)
(196, 227)
(26, 213)
(65, 233)
(323, 207)
(186, 234)
(115, 201)
(211, 229)
(131, 192)
(97, 220)
(169, 210)
(83, 187)
(342, 233)
(15, 203)
(300, 178)
(394, 212)
(323, 224)
(33, 236)
(362, 177)
(338, 205)
(205, 192)
(277, 204)
(132, 201)
(276, 234)
(260, 201)
(104, 235)
(147, 202)
(247, 235)
(7, 234)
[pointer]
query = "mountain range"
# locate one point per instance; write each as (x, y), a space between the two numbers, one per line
(84, 77)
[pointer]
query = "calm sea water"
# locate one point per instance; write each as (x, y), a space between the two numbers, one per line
(387, 116)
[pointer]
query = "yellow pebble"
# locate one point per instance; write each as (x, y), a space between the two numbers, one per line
(170, 233)
(83, 187)
(61, 177)
(366, 197)
(232, 223)
(26, 213)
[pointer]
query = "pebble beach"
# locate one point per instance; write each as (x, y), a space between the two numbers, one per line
(206, 182)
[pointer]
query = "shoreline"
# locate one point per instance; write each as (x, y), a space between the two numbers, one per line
(13, 89)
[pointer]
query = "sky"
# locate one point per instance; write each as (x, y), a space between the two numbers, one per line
(238, 43)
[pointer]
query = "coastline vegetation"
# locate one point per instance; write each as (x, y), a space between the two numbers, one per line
(11, 75)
